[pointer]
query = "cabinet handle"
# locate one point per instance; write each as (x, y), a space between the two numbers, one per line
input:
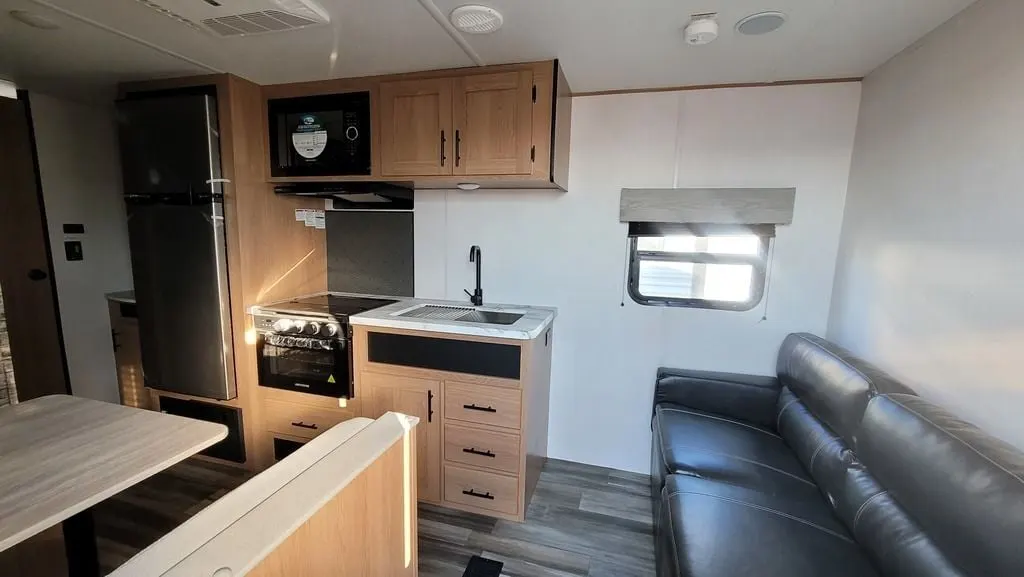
(484, 409)
(475, 451)
(458, 147)
(430, 406)
(443, 141)
(304, 425)
(473, 493)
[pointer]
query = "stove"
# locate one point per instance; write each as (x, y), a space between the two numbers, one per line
(304, 344)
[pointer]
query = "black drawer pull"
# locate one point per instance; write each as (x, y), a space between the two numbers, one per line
(484, 409)
(475, 451)
(304, 425)
(473, 493)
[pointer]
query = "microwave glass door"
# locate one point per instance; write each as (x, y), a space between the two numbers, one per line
(320, 135)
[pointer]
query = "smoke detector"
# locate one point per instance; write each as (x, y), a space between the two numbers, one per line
(255, 16)
(702, 29)
(475, 19)
(761, 23)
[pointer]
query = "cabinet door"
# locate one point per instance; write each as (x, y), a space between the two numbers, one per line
(416, 127)
(493, 123)
(420, 398)
(128, 358)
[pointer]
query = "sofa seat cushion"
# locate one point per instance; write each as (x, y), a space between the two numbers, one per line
(715, 447)
(717, 529)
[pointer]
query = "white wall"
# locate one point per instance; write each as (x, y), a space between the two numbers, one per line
(568, 249)
(81, 180)
(931, 270)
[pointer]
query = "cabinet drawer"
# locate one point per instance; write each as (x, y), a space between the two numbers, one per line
(480, 489)
(482, 448)
(483, 404)
(301, 420)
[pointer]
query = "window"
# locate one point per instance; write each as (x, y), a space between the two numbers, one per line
(683, 266)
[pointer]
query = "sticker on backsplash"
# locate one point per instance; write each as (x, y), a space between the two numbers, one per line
(300, 214)
(320, 220)
(311, 217)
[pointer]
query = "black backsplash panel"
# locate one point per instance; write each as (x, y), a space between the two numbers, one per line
(370, 252)
(474, 358)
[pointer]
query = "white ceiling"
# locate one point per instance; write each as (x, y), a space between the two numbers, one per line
(602, 44)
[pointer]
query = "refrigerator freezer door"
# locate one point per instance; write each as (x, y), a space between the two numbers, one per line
(169, 145)
(180, 273)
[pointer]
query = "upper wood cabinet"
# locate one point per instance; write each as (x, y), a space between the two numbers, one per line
(503, 126)
(416, 127)
(493, 116)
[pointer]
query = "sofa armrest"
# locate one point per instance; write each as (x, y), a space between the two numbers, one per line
(750, 398)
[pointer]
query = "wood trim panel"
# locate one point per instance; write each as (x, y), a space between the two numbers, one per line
(536, 406)
(481, 491)
(302, 420)
(464, 443)
(685, 88)
(491, 406)
(561, 130)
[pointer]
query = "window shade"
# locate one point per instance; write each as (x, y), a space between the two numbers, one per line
(699, 229)
(720, 206)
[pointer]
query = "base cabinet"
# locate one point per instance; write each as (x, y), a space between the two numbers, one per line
(124, 331)
(482, 439)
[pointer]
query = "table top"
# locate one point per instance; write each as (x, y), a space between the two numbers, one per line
(60, 455)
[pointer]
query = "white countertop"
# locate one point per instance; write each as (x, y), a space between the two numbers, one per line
(122, 297)
(535, 319)
(60, 455)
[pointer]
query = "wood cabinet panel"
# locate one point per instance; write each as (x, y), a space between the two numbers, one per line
(417, 397)
(482, 448)
(481, 490)
(302, 420)
(416, 127)
(483, 405)
(493, 120)
(128, 359)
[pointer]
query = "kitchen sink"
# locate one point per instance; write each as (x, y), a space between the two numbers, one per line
(490, 317)
(462, 314)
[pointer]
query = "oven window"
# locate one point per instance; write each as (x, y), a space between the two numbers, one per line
(300, 364)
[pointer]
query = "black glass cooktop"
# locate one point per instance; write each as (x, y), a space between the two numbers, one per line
(334, 305)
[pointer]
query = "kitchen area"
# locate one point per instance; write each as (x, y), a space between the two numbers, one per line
(271, 231)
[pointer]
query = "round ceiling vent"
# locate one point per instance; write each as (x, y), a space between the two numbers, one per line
(761, 23)
(474, 19)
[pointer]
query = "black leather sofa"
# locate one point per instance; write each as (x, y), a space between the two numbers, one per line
(831, 469)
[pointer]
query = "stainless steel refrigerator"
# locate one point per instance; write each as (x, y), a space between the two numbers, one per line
(170, 159)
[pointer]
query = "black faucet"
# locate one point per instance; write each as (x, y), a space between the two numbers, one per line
(477, 296)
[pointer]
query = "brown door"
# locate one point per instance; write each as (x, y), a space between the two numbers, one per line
(26, 273)
(419, 398)
(493, 116)
(416, 127)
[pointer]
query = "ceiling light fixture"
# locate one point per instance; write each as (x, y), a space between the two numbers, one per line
(761, 23)
(34, 20)
(702, 29)
(475, 19)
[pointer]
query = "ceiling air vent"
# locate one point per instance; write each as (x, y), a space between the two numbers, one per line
(258, 17)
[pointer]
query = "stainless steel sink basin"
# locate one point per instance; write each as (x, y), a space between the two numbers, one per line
(490, 317)
(462, 314)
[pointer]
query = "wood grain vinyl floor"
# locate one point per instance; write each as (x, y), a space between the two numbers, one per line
(582, 521)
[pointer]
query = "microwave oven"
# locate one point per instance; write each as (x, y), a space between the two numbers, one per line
(324, 135)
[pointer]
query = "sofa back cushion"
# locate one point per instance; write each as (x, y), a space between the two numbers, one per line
(833, 384)
(963, 488)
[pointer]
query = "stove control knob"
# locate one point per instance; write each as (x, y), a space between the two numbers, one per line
(298, 326)
(329, 330)
(282, 325)
(313, 328)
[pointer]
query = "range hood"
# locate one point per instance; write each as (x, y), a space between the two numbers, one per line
(376, 196)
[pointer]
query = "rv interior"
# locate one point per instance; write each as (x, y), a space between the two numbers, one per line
(687, 288)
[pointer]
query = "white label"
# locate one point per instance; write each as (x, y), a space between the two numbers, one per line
(310, 137)
(310, 217)
(320, 220)
(300, 215)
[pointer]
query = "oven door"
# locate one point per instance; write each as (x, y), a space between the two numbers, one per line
(305, 364)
